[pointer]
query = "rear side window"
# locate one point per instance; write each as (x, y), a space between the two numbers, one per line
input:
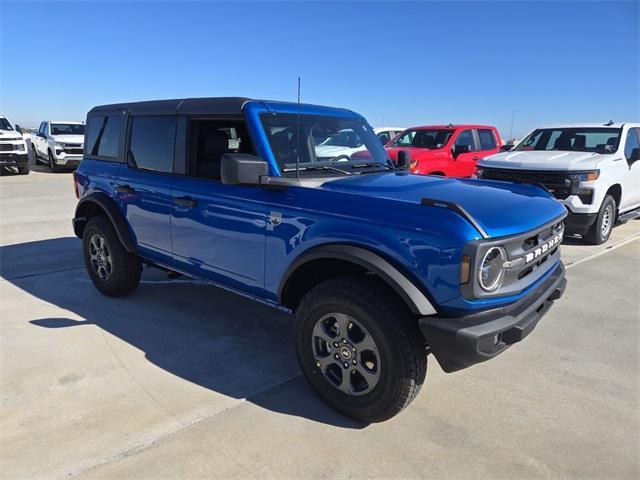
(103, 136)
(487, 139)
(153, 142)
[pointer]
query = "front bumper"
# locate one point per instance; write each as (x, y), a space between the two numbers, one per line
(13, 159)
(579, 222)
(460, 342)
(67, 159)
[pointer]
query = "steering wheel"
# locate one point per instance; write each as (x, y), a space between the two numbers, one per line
(341, 158)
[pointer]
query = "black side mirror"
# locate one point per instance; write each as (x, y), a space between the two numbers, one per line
(404, 160)
(18, 129)
(635, 155)
(458, 149)
(242, 169)
(506, 148)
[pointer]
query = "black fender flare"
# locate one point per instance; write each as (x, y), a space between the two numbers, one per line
(113, 213)
(412, 295)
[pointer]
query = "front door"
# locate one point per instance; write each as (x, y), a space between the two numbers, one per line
(464, 164)
(218, 230)
(631, 174)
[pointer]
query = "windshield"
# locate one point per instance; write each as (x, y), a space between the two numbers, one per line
(424, 138)
(322, 141)
(345, 138)
(598, 140)
(5, 125)
(67, 129)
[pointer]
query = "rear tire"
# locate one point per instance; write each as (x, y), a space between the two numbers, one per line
(354, 326)
(113, 271)
(601, 229)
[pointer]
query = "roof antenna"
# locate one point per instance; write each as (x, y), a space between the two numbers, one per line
(609, 123)
(298, 135)
(513, 117)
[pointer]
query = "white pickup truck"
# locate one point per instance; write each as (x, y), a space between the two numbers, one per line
(593, 169)
(59, 144)
(13, 149)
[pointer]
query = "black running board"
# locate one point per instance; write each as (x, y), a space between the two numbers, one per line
(623, 217)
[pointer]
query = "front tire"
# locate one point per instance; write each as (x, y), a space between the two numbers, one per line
(24, 170)
(601, 229)
(52, 164)
(113, 271)
(35, 154)
(360, 348)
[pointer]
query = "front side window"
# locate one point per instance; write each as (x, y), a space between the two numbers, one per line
(599, 140)
(432, 139)
(631, 143)
(152, 143)
(487, 139)
(346, 145)
(465, 138)
(103, 136)
(67, 129)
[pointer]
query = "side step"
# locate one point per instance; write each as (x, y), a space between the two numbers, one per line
(622, 218)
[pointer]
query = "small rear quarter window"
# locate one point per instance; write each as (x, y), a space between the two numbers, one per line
(103, 136)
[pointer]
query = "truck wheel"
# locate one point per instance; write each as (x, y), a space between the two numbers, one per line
(35, 155)
(24, 170)
(600, 231)
(52, 164)
(360, 348)
(114, 271)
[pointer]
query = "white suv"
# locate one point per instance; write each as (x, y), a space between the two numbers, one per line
(60, 144)
(13, 149)
(593, 169)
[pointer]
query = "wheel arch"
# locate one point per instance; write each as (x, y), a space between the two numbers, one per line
(615, 191)
(329, 261)
(99, 203)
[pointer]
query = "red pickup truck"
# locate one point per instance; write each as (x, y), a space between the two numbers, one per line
(450, 150)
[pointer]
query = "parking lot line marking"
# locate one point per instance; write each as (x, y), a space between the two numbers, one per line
(602, 252)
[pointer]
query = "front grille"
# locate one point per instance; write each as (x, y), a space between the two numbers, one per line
(556, 182)
(7, 147)
(529, 256)
(73, 149)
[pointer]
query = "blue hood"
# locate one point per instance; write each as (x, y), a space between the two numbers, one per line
(500, 208)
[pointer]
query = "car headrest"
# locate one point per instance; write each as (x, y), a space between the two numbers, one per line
(216, 143)
(580, 142)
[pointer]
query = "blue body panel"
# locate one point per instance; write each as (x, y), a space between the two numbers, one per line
(228, 239)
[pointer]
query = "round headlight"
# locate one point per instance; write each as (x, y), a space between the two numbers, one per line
(491, 270)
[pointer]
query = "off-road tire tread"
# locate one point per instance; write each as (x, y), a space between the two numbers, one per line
(126, 266)
(411, 369)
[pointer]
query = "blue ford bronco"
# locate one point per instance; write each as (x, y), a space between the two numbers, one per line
(379, 267)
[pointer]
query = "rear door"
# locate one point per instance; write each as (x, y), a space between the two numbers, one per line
(143, 188)
(488, 142)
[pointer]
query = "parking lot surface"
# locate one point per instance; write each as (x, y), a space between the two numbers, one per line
(184, 380)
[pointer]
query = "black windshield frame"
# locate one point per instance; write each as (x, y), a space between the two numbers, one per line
(73, 127)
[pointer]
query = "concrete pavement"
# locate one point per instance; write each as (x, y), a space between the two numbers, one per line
(182, 380)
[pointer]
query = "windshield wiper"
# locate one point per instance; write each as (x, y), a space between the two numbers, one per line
(326, 168)
(371, 164)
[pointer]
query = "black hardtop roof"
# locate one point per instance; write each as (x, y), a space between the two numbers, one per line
(191, 106)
